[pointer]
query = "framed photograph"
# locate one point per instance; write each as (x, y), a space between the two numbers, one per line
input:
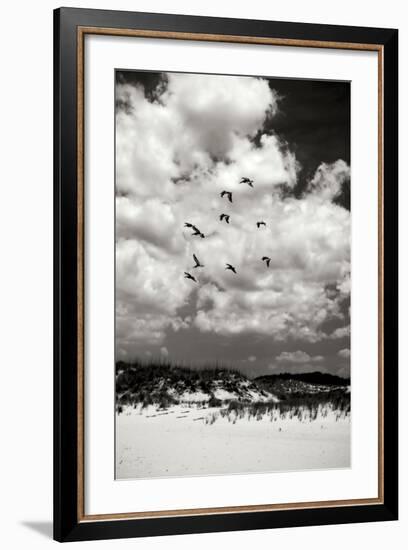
(225, 274)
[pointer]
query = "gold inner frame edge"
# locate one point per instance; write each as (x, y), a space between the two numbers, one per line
(81, 33)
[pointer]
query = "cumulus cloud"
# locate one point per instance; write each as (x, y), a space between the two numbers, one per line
(328, 180)
(344, 353)
(213, 110)
(298, 357)
(341, 332)
(174, 156)
(164, 352)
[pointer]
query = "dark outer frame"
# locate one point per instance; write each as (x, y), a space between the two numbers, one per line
(70, 522)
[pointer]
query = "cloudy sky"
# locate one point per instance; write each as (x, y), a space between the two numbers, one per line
(181, 139)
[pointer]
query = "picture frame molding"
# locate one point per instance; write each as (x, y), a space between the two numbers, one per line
(71, 25)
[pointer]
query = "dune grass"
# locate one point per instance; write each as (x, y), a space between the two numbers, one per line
(156, 382)
(161, 383)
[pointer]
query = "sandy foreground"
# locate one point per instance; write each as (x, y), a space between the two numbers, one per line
(188, 441)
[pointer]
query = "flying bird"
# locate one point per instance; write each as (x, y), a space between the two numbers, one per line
(197, 262)
(225, 217)
(198, 232)
(231, 268)
(267, 260)
(195, 229)
(188, 276)
(248, 181)
(191, 226)
(228, 194)
(258, 224)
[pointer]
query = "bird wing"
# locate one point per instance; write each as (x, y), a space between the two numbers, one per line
(196, 259)
(230, 197)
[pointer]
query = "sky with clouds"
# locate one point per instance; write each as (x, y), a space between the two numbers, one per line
(182, 139)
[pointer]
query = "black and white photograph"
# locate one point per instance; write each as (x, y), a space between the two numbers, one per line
(204, 248)
(232, 274)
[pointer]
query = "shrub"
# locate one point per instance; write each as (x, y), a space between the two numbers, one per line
(214, 402)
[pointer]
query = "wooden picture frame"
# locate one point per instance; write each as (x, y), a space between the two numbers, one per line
(71, 26)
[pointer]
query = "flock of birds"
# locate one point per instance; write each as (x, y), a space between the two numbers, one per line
(226, 218)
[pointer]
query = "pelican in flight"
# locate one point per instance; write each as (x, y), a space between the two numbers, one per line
(267, 260)
(197, 262)
(248, 181)
(228, 194)
(195, 229)
(258, 224)
(188, 276)
(231, 268)
(198, 232)
(225, 217)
